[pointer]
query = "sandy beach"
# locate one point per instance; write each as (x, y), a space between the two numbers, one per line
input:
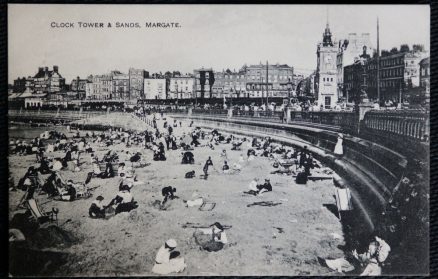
(285, 239)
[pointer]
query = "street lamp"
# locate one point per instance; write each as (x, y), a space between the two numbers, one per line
(289, 89)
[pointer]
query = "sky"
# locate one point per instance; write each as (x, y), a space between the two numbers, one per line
(213, 36)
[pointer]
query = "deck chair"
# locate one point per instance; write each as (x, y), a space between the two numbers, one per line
(207, 206)
(35, 187)
(343, 200)
(40, 216)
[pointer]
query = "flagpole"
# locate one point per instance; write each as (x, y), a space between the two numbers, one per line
(378, 63)
(267, 90)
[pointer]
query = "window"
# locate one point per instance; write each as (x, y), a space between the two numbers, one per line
(327, 101)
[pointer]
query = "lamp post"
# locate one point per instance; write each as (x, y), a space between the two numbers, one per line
(289, 88)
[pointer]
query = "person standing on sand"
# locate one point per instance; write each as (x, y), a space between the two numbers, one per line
(339, 150)
(207, 164)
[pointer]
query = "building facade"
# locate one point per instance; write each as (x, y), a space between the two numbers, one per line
(204, 81)
(102, 87)
(229, 84)
(412, 68)
(19, 85)
(350, 50)
(425, 78)
(46, 81)
(89, 90)
(326, 71)
(269, 80)
(399, 74)
(154, 88)
(136, 83)
(120, 86)
(181, 87)
(77, 85)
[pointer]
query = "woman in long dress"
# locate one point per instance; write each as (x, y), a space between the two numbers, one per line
(339, 150)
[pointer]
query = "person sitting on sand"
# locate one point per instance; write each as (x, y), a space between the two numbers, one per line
(97, 209)
(211, 239)
(167, 259)
(67, 192)
(188, 158)
(44, 166)
(237, 144)
(282, 169)
(237, 168)
(173, 142)
(28, 179)
(67, 158)
(109, 171)
(124, 200)
(190, 174)
(96, 172)
(195, 136)
(266, 187)
(251, 154)
(57, 164)
(224, 154)
(253, 185)
(126, 172)
(260, 188)
(372, 259)
(159, 155)
(168, 193)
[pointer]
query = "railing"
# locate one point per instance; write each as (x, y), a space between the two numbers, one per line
(53, 115)
(272, 116)
(344, 119)
(409, 124)
(210, 111)
(412, 125)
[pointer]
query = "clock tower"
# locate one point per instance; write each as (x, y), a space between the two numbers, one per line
(326, 71)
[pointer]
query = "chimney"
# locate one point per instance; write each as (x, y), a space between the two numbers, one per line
(40, 69)
(55, 69)
(46, 69)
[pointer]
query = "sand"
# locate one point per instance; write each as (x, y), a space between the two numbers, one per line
(285, 239)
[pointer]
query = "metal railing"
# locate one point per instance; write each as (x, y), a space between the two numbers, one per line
(412, 125)
(344, 119)
(68, 115)
(409, 124)
(210, 111)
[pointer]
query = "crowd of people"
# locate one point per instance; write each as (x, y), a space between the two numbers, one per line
(286, 160)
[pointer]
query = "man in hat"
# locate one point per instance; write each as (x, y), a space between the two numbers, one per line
(97, 209)
(167, 259)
